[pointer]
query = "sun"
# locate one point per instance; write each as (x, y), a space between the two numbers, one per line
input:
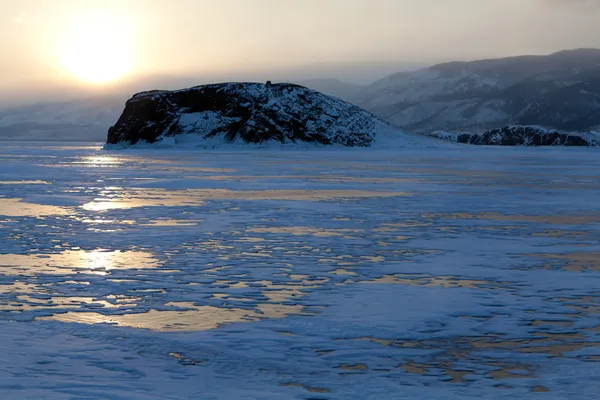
(98, 48)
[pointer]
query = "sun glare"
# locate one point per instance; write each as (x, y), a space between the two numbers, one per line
(98, 48)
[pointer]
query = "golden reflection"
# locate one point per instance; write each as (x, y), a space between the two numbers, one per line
(414, 368)
(465, 348)
(37, 182)
(382, 342)
(99, 161)
(109, 221)
(196, 197)
(312, 178)
(278, 310)
(564, 324)
(75, 261)
(375, 259)
(26, 302)
(542, 219)
(285, 333)
(343, 272)
(394, 227)
(563, 234)
(354, 367)
(216, 269)
(230, 297)
(584, 304)
(511, 373)
(575, 261)
(459, 350)
(298, 277)
(202, 318)
(540, 389)
(172, 222)
(106, 204)
(250, 240)
(19, 208)
(184, 360)
(190, 318)
(306, 387)
(306, 231)
(439, 281)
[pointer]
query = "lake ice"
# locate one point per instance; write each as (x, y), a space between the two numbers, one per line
(445, 273)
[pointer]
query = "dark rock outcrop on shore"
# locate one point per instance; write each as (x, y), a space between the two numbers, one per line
(245, 113)
(518, 135)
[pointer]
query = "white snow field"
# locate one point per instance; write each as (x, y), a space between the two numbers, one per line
(430, 273)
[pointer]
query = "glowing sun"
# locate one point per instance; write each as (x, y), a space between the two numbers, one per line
(98, 48)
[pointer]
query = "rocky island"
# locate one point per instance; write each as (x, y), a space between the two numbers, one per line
(250, 113)
(518, 135)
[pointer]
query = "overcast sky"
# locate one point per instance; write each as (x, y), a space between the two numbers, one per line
(246, 39)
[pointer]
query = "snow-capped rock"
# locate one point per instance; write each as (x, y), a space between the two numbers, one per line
(559, 91)
(517, 135)
(251, 113)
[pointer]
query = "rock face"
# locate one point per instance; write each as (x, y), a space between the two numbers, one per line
(523, 136)
(245, 112)
(559, 91)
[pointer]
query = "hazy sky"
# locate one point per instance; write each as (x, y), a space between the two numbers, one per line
(97, 44)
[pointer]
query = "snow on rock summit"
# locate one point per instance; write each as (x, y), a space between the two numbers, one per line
(251, 113)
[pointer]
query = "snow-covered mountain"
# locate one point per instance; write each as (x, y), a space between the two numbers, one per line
(559, 91)
(82, 119)
(251, 113)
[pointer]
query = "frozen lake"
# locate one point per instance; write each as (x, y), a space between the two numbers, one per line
(323, 274)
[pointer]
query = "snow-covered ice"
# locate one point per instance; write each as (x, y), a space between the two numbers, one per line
(431, 273)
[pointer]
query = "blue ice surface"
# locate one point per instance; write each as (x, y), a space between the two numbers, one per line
(390, 273)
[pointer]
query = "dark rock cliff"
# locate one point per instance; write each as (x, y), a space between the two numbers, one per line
(245, 112)
(518, 135)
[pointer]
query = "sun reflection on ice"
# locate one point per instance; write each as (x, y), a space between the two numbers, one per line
(99, 161)
(19, 208)
(75, 261)
(117, 198)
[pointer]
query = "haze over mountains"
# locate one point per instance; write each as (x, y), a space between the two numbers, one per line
(80, 120)
(559, 91)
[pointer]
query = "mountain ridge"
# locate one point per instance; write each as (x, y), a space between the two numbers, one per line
(485, 94)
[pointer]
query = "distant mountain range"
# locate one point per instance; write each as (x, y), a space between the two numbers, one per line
(83, 119)
(560, 91)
